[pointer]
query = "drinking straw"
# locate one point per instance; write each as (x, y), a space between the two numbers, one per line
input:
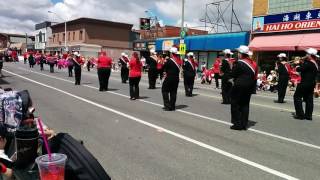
(44, 138)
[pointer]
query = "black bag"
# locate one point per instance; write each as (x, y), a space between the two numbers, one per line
(81, 164)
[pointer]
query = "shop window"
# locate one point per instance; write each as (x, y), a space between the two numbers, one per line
(54, 37)
(64, 36)
(283, 6)
(69, 34)
(80, 35)
(74, 36)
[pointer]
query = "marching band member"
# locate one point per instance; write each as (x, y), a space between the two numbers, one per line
(308, 69)
(171, 81)
(152, 72)
(225, 72)
(77, 68)
(123, 63)
(189, 73)
(135, 68)
(104, 70)
(216, 71)
(244, 74)
(283, 69)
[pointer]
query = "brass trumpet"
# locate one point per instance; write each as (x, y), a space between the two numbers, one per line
(298, 60)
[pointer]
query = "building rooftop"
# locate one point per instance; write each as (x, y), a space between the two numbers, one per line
(96, 21)
(16, 35)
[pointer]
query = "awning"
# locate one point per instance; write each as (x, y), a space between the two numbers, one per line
(285, 42)
(310, 41)
(210, 42)
(217, 42)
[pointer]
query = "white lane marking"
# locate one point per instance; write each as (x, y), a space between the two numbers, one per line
(261, 105)
(156, 127)
(198, 115)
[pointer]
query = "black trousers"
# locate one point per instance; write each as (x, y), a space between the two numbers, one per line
(124, 75)
(104, 75)
(51, 68)
(88, 66)
(169, 92)
(160, 73)
(216, 78)
(305, 92)
(152, 75)
(77, 75)
(31, 65)
(282, 89)
(41, 66)
(134, 87)
(240, 102)
(25, 60)
(226, 91)
(188, 85)
(70, 68)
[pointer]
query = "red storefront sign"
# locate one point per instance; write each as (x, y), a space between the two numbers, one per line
(292, 26)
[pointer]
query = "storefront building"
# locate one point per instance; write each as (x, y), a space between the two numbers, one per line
(144, 46)
(42, 33)
(206, 47)
(284, 26)
(18, 42)
(90, 36)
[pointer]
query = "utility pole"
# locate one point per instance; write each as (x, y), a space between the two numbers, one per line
(182, 18)
(26, 42)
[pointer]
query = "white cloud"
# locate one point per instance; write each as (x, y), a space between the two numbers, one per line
(26, 13)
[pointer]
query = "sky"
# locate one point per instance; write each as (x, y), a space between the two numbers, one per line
(22, 17)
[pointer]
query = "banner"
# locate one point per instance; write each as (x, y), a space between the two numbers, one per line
(294, 21)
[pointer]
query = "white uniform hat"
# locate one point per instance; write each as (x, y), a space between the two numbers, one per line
(76, 54)
(153, 51)
(124, 54)
(282, 55)
(227, 51)
(174, 50)
(190, 54)
(244, 50)
(312, 51)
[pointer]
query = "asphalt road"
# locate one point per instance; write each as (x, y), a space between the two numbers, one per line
(138, 140)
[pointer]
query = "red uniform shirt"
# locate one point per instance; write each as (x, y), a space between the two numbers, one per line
(216, 66)
(135, 68)
(104, 62)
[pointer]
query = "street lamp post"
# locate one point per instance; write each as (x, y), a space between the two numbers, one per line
(65, 29)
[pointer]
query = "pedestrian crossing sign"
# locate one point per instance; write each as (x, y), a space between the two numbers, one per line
(182, 49)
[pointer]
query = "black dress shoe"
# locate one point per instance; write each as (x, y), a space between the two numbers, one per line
(167, 109)
(225, 103)
(310, 119)
(234, 127)
(281, 102)
(298, 117)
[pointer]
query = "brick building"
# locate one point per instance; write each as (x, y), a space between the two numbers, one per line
(167, 31)
(90, 36)
(288, 26)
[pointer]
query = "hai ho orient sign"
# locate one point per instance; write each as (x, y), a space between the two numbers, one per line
(304, 20)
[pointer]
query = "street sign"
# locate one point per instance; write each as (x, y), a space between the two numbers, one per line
(182, 49)
(183, 34)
